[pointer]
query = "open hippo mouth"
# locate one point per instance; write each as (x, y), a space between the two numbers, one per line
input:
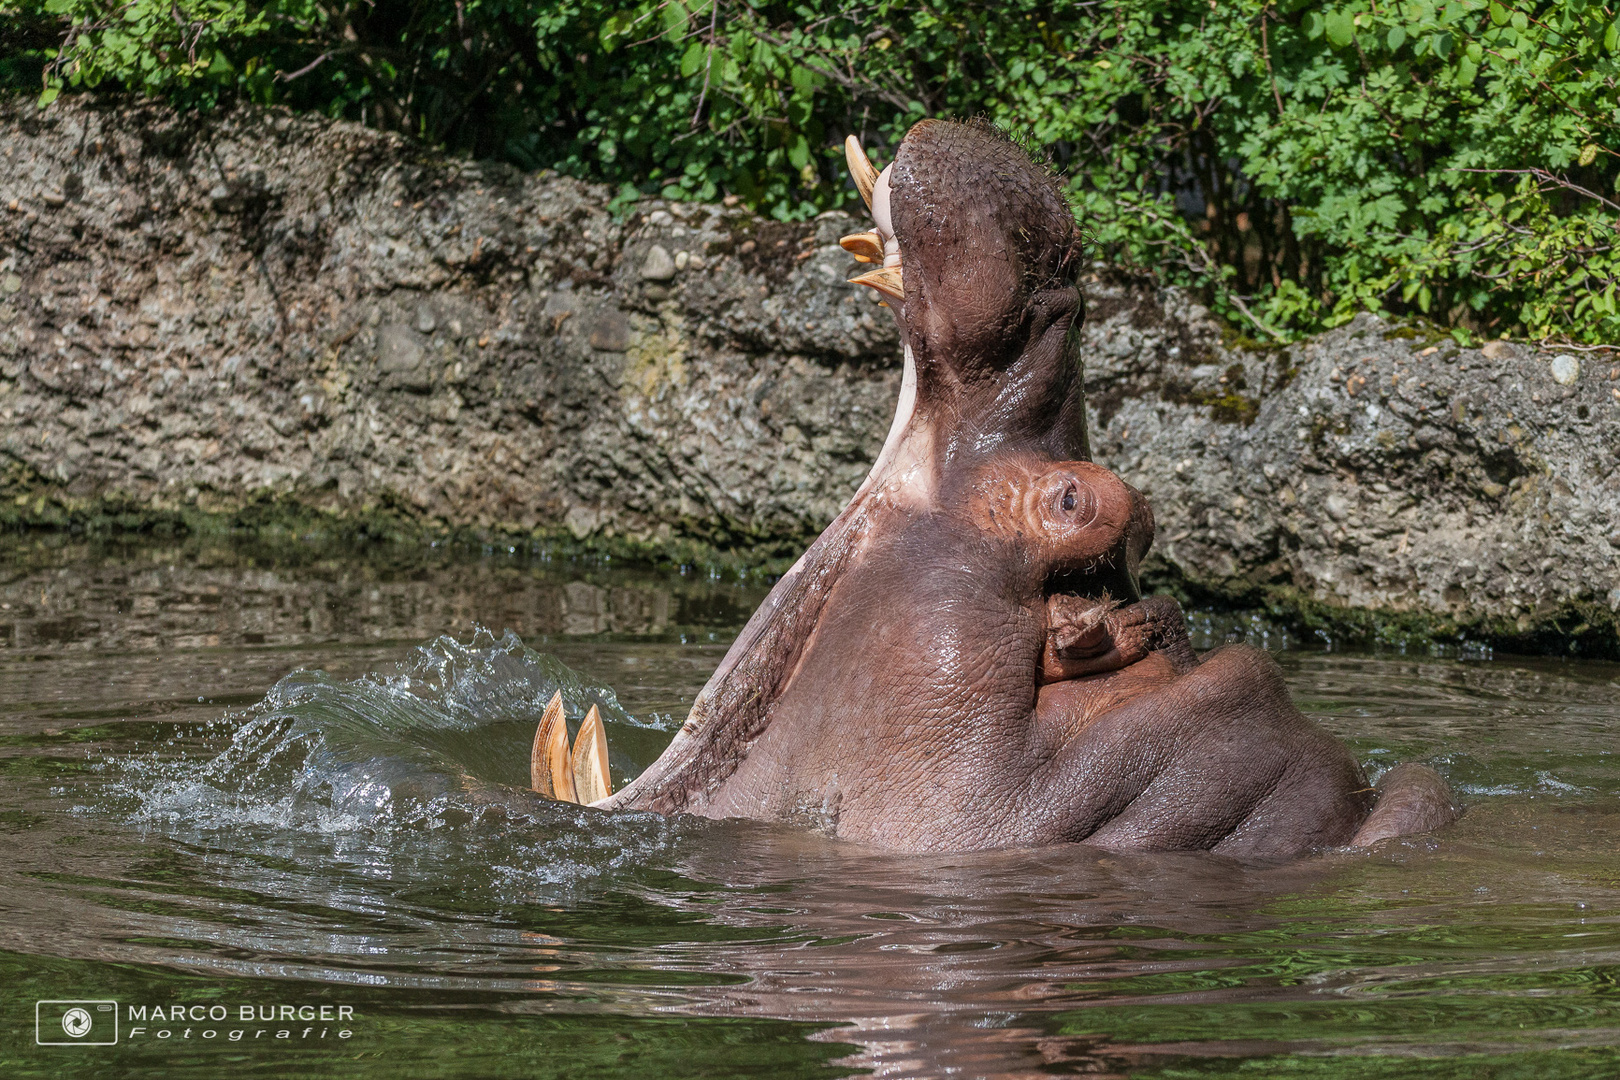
(963, 658)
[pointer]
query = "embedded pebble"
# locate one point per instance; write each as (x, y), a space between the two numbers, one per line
(1565, 369)
(659, 266)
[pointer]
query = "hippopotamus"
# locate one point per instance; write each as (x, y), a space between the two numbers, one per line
(964, 658)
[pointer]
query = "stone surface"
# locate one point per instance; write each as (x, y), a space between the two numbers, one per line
(1362, 471)
(203, 312)
(271, 304)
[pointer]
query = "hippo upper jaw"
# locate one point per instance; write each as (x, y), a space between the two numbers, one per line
(990, 254)
(978, 259)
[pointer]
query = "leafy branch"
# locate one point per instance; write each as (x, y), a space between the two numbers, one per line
(1295, 162)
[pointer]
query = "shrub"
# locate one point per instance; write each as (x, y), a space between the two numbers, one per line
(1456, 159)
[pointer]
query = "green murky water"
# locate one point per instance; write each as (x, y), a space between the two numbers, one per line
(235, 780)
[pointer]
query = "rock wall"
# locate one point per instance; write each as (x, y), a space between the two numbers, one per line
(1380, 471)
(206, 314)
(203, 313)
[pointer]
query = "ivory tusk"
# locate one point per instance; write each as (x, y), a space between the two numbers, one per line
(866, 246)
(550, 770)
(886, 280)
(590, 760)
(860, 167)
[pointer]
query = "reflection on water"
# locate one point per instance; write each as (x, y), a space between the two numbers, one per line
(88, 599)
(341, 817)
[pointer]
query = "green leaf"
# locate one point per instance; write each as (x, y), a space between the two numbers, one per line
(1340, 27)
(49, 94)
(615, 26)
(1379, 219)
(628, 195)
(692, 59)
(799, 152)
(674, 17)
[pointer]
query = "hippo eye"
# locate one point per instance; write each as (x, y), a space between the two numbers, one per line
(1072, 506)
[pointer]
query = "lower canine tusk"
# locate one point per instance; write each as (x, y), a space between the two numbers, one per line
(865, 246)
(860, 167)
(551, 770)
(590, 764)
(886, 280)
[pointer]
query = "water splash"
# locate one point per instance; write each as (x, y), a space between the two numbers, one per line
(427, 761)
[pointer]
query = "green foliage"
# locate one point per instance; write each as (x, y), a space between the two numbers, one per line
(1299, 162)
(148, 45)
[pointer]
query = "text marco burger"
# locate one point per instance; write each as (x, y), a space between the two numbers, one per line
(243, 1014)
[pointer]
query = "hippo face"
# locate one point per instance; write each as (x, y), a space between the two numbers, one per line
(1074, 520)
(963, 659)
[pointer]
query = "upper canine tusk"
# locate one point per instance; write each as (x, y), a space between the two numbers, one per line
(865, 246)
(860, 167)
(550, 770)
(590, 764)
(885, 279)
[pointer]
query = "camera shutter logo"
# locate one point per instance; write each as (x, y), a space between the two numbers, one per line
(76, 1023)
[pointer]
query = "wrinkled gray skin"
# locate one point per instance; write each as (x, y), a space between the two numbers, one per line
(963, 659)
